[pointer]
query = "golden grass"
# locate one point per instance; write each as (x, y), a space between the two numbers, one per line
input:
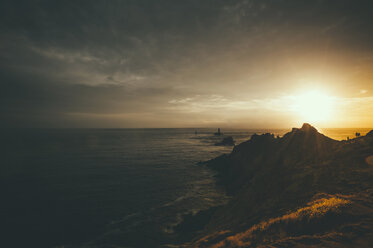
(315, 209)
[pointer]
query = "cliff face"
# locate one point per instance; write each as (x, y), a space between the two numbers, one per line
(265, 153)
(299, 190)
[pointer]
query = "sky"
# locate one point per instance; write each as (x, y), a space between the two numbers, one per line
(191, 63)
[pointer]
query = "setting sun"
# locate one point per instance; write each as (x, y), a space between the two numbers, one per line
(313, 106)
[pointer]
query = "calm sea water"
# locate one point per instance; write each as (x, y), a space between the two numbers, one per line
(129, 187)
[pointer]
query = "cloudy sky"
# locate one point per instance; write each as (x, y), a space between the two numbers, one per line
(184, 63)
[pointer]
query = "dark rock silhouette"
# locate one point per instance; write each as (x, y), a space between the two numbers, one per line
(218, 132)
(301, 189)
(370, 134)
(227, 141)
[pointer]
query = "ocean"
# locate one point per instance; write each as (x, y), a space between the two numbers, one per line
(102, 187)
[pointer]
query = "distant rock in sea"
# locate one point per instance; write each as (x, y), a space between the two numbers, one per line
(218, 132)
(227, 141)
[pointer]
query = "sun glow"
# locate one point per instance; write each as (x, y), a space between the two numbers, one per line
(313, 106)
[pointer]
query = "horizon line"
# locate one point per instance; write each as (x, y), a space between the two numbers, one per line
(272, 128)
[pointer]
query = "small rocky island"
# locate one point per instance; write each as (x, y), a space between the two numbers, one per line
(218, 133)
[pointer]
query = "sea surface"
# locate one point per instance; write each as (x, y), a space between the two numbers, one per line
(129, 187)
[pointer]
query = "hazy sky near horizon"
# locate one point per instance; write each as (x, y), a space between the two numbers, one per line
(169, 63)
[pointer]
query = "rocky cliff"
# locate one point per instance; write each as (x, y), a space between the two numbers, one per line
(301, 190)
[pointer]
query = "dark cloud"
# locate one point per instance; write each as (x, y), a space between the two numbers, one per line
(64, 58)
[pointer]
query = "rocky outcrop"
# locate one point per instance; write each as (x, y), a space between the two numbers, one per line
(299, 190)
